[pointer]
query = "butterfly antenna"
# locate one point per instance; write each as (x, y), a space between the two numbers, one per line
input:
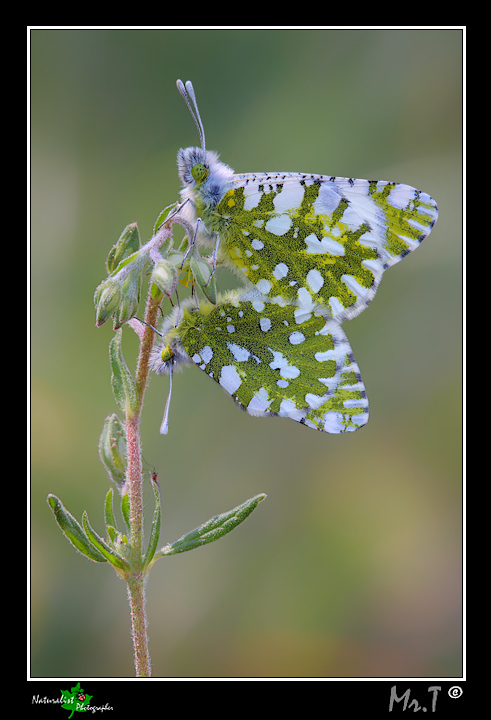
(164, 428)
(189, 96)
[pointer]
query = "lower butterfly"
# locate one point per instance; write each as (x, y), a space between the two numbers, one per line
(273, 360)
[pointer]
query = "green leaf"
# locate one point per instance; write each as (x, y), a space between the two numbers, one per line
(108, 510)
(213, 529)
(72, 530)
(112, 449)
(135, 259)
(113, 535)
(121, 379)
(75, 700)
(101, 545)
(129, 242)
(163, 216)
(126, 510)
(155, 530)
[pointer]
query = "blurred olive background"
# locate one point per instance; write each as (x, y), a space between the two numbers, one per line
(352, 565)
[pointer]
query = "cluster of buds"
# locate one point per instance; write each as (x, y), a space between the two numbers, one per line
(119, 295)
(199, 268)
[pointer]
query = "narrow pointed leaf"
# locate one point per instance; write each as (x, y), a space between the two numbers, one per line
(121, 379)
(135, 259)
(213, 529)
(73, 531)
(112, 534)
(163, 216)
(129, 242)
(112, 449)
(125, 510)
(155, 531)
(117, 539)
(101, 545)
(108, 510)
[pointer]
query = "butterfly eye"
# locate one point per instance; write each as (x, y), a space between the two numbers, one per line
(200, 172)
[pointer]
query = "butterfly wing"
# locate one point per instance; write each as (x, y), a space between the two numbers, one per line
(280, 360)
(309, 239)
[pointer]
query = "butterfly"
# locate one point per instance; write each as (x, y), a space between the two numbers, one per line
(301, 238)
(311, 251)
(274, 360)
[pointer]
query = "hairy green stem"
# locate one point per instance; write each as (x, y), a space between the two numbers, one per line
(136, 598)
(134, 486)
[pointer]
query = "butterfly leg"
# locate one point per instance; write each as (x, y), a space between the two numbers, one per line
(194, 294)
(179, 307)
(215, 253)
(173, 214)
(193, 242)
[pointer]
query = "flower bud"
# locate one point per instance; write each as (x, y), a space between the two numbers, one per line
(112, 449)
(107, 298)
(119, 296)
(202, 272)
(130, 299)
(164, 276)
(176, 258)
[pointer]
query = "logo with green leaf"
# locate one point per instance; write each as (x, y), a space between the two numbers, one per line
(75, 700)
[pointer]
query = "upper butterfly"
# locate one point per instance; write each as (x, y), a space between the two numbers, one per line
(299, 238)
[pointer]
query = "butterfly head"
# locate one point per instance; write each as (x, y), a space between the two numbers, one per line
(194, 165)
(169, 354)
(202, 173)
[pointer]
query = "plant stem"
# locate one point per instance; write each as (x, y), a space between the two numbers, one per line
(134, 486)
(136, 597)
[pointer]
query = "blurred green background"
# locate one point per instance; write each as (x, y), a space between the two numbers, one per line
(352, 565)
